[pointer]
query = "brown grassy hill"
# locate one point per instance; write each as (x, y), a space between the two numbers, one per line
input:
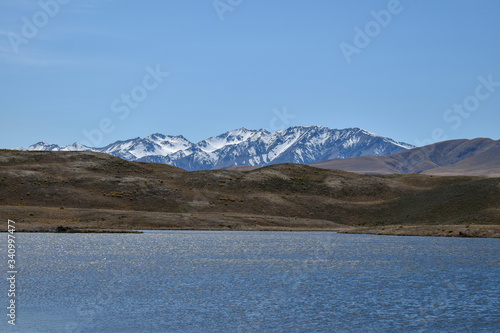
(239, 168)
(478, 157)
(93, 190)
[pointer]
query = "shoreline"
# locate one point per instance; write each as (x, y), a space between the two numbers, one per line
(458, 231)
(88, 220)
(442, 230)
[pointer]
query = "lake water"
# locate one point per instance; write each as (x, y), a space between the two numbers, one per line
(202, 281)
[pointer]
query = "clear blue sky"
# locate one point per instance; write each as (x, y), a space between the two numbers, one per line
(244, 62)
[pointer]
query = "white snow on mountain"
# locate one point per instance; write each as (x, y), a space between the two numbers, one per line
(246, 147)
(233, 137)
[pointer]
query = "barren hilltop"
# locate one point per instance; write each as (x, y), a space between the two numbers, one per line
(87, 190)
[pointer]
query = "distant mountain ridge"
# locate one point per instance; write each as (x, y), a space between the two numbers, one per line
(477, 157)
(246, 147)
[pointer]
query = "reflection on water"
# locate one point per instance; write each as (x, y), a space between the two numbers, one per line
(191, 281)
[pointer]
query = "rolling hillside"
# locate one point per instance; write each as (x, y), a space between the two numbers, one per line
(478, 157)
(95, 190)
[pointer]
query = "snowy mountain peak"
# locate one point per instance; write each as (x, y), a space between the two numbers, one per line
(42, 145)
(299, 144)
(229, 138)
(76, 147)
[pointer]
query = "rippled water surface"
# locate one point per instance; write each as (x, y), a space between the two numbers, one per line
(191, 281)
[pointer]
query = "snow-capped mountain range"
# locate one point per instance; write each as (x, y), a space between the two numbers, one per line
(246, 147)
